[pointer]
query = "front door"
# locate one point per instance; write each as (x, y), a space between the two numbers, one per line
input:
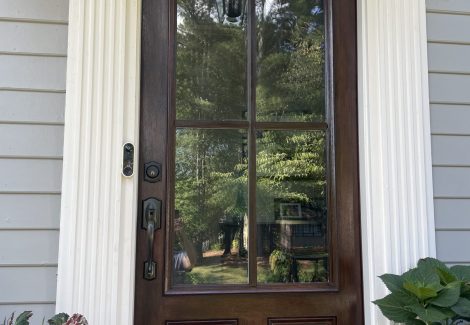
(249, 210)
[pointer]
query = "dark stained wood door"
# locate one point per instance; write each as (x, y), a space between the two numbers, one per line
(249, 191)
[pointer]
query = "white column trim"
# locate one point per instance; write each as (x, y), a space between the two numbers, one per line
(98, 217)
(395, 142)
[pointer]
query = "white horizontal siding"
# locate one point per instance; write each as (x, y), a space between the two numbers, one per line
(453, 182)
(449, 58)
(452, 214)
(455, 6)
(21, 140)
(450, 246)
(29, 247)
(22, 284)
(451, 150)
(56, 10)
(33, 51)
(35, 107)
(448, 28)
(448, 23)
(34, 38)
(450, 119)
(29, 211)
(449, 88)
(30, 175)
(32, 72)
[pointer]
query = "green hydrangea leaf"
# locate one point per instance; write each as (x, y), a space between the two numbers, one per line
(393, 282)
(58, 319)
(448, 296)
(429, 314)
(393, 306)
(462, 272)
(423, 276)
(462, 307)
(23, 318)
(415, 322)
(422, 292)
(446, 276)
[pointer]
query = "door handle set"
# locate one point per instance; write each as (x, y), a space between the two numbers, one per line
(151, 217)
(151, 221)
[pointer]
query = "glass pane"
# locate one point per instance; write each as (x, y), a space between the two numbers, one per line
(291, 207)
(291, 60)
(210, 226)
(210, 60)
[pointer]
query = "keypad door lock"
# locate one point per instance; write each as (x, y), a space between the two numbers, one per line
(152, 172)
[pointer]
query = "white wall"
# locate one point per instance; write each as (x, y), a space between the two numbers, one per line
(448, 23)
(33, 49)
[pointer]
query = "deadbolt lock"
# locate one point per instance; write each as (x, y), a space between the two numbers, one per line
(152, 172)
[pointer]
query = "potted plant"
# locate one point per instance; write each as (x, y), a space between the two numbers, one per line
(430, 294)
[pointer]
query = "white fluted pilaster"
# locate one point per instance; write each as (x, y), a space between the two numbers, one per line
(97, 240)
(395, 142)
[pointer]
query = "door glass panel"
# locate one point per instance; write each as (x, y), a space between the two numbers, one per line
(291, 207)
(211, 60)
(291, 60)
(210, 228)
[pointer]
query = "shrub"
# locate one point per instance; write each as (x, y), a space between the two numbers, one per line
(430, 294)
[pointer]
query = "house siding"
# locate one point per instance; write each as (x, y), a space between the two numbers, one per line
(33, 54)
(448, 23)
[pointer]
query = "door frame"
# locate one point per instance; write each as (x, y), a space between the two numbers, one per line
(104, 54)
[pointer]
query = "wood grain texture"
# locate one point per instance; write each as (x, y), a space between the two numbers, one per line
(204, 322)
(303, 321)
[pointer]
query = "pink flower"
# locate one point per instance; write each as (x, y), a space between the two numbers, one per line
(77, 319)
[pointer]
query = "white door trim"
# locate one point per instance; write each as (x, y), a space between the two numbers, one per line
(99, 206)
(395, 142)
(98, 217)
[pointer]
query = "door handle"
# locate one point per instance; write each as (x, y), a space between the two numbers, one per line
(151, 221)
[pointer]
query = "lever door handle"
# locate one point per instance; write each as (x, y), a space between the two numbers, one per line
(152, 211)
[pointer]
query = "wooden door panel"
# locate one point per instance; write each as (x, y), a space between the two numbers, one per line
(204, 322)
(303, 321)
(335, 301)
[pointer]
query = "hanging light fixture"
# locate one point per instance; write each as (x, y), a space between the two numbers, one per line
(230, 9)
(234, 8)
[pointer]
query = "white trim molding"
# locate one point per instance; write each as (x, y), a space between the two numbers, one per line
(395, 142)
(98, 217)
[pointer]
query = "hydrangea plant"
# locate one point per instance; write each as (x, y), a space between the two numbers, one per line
(59, 319)
(430, 294)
